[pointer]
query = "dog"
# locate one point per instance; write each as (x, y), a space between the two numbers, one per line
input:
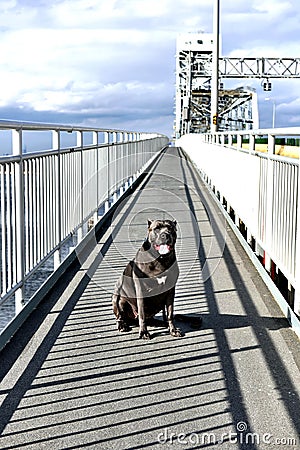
(147, 285)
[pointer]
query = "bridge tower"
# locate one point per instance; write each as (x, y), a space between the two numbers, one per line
(238, 108)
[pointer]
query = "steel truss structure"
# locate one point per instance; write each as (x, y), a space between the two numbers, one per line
(237, 108)
(247, 67)
(259, 67)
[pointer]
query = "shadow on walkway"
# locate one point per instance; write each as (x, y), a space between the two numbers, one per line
(71, 381)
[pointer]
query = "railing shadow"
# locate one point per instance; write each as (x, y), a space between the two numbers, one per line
(88, 386)
(260, 325)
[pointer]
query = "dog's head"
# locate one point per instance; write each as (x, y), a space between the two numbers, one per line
(162, 235)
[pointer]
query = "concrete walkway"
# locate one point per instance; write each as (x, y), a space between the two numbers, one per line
(71, 381)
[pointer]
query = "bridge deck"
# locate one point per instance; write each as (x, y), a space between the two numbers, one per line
(71, 381)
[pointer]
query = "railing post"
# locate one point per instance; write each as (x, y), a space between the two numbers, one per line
(239, 142)
(79, 143)
(297, 275)
(269, 203)
(19, 213)
(106, 137)
(106, 140)
(95, 140)
(222, 140)
(56, 146)
(252, 143)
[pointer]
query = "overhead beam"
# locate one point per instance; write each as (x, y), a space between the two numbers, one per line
(259, 67)
(246, 67)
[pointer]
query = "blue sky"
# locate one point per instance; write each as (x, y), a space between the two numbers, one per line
(112, 63)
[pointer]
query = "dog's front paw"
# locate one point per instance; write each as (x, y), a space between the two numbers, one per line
(176, 332)
(144, 334)
(122, 326)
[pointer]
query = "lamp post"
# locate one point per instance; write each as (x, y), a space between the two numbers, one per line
(273, 110)
(215, 69)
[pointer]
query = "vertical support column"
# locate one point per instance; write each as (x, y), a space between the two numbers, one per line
(215, 69)
(127, 159)
(106, 140)
(237, 220)
(252, 143)
(187, 98)
(269, 212)
(56, 146)
(297, 287)
(95, 141)
(102, 173)
(249, 236)
(106, 137)
(20, 225)
(79, 143)
(239, 142)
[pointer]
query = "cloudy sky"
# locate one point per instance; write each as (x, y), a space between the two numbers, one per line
(111, 63)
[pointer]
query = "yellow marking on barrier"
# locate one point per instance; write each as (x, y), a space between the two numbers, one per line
(282, 150)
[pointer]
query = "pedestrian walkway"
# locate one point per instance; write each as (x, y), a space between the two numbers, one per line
(70, 380)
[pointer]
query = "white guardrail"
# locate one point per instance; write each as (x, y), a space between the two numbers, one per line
(259, 190)
(49, 198)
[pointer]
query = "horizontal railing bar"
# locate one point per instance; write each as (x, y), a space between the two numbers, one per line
(279, 158)
(288, 131)
(62, 151)
(8, 295)
(18, 125)
(266, 155)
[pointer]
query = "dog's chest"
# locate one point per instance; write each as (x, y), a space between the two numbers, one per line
(156, 285)
(162, 280)
(155, 269)
(158, 273)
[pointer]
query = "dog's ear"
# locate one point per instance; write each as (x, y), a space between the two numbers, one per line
(175, 224)
(149, 223)
(146, 244)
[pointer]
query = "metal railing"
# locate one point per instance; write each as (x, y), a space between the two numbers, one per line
(259, 190)
(49, 198)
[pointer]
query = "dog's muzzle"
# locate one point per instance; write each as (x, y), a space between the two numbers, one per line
(163, 249)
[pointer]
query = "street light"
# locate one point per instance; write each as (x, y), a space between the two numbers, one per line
(273, 109)
(215, 68)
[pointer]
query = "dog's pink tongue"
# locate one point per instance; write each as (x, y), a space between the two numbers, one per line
(163, 249)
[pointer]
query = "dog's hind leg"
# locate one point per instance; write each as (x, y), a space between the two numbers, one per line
(164, 314)
(118, 304)
(118, 309)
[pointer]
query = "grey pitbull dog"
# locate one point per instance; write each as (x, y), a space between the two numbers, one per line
(147, 284)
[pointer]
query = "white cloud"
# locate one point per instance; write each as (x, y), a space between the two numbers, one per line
(273, 8)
